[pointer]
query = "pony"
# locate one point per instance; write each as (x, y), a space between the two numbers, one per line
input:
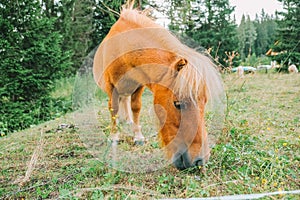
(138, 53)
(293, 69)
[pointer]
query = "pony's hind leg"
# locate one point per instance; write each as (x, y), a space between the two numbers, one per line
(113, 105)
(125, 113)
(136, 104)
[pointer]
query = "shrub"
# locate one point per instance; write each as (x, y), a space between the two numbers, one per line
(31, 58)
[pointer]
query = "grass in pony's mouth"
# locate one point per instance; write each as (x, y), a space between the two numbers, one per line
(257, 152)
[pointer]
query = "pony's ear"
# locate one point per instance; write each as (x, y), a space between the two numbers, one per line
(180, 63)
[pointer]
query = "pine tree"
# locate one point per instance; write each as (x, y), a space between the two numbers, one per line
(288, 44)
(261, 41)
(225, 29)
(265, 26)
(208, 23)
(31, 58)
(247, 35)
(215, 29)
(31, 49)
(105, 15)
(75, 23)
(271, 27)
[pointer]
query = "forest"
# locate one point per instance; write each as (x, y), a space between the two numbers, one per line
(45, 42)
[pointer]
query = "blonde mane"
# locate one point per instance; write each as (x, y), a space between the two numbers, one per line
(138, 17)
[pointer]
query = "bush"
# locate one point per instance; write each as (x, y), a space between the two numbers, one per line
(31, 59)
(15, 116)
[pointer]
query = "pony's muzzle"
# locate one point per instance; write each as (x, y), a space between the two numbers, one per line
(183, 161)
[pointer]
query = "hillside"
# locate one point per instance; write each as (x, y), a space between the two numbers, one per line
(257, 152)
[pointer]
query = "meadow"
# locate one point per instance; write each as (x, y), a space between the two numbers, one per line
(257, 151)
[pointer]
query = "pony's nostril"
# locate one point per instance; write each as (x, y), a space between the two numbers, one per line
(199, 162)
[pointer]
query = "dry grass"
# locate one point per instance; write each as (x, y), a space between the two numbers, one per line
(257, 152)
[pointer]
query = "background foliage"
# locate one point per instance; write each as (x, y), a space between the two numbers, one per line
(45, 41)
(31, 59)
(288, 34)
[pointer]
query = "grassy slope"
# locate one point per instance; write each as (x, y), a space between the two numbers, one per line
(258, 152)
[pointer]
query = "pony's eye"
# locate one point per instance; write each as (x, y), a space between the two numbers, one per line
(180, 105)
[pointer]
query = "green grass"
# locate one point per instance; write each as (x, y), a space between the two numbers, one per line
(63, 88)
(257, 152)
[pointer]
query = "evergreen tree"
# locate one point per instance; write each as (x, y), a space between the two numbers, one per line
(81, 30)
(265, 26)
(271, 27)
(50, 8)
(207, 22)
(289, 34)
(31, 58)
(103, 18)
(261, 41)
(225, 30)
(74, 22)
(241, 32)
(247, 35)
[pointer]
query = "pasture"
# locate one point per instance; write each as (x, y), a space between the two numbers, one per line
(257, 151)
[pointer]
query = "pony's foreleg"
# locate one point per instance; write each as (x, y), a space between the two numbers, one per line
(136, 104)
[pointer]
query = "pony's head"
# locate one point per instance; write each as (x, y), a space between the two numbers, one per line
(180, 110)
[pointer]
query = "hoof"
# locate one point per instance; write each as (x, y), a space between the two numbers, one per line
(139, 142)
